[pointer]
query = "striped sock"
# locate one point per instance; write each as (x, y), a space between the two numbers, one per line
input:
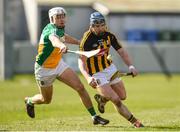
(132, 119)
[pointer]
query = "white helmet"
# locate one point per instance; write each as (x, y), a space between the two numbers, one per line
(55, 11)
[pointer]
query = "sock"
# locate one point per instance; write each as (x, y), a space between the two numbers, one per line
(92, 111)
(132, 119)
(29, 101)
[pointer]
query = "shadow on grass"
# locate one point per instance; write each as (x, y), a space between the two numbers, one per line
(117, 127)
(164, 127)
(158, 128)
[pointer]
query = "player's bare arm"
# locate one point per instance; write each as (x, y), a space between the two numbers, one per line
(57, 43)
(71, 40)
(124, 55)
(91, 81)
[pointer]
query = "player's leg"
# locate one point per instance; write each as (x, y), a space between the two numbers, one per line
(44, 97)
(44, 83)
(119, 89)
(123, 110)
(107, 92)
(70, 78)
(103, 78)
(110, 94)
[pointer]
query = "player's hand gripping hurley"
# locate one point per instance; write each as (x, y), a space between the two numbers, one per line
(85, 53)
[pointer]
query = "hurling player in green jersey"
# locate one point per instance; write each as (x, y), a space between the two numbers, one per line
(49, 66)
(98, 70)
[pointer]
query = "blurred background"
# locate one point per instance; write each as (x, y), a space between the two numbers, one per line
(149, 29)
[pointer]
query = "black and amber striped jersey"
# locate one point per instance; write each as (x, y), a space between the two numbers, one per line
(90, 41)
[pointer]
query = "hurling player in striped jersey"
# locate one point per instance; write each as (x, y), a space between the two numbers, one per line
(98, 69)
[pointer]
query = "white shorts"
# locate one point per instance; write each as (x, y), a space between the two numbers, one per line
(46, 76)
(104, 76)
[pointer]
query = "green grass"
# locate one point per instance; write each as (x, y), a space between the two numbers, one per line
(151, 97)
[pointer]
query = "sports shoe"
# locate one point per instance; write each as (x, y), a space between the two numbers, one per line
(29, 108)
(101, 105)
(100, 120)
(138, 124)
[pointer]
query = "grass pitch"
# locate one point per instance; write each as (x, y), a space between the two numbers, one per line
(151, 97)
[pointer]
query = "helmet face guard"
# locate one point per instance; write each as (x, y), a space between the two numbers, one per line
(56, 11)
(96, 18)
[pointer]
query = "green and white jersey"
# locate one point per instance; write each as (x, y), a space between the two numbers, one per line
(49, 56)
